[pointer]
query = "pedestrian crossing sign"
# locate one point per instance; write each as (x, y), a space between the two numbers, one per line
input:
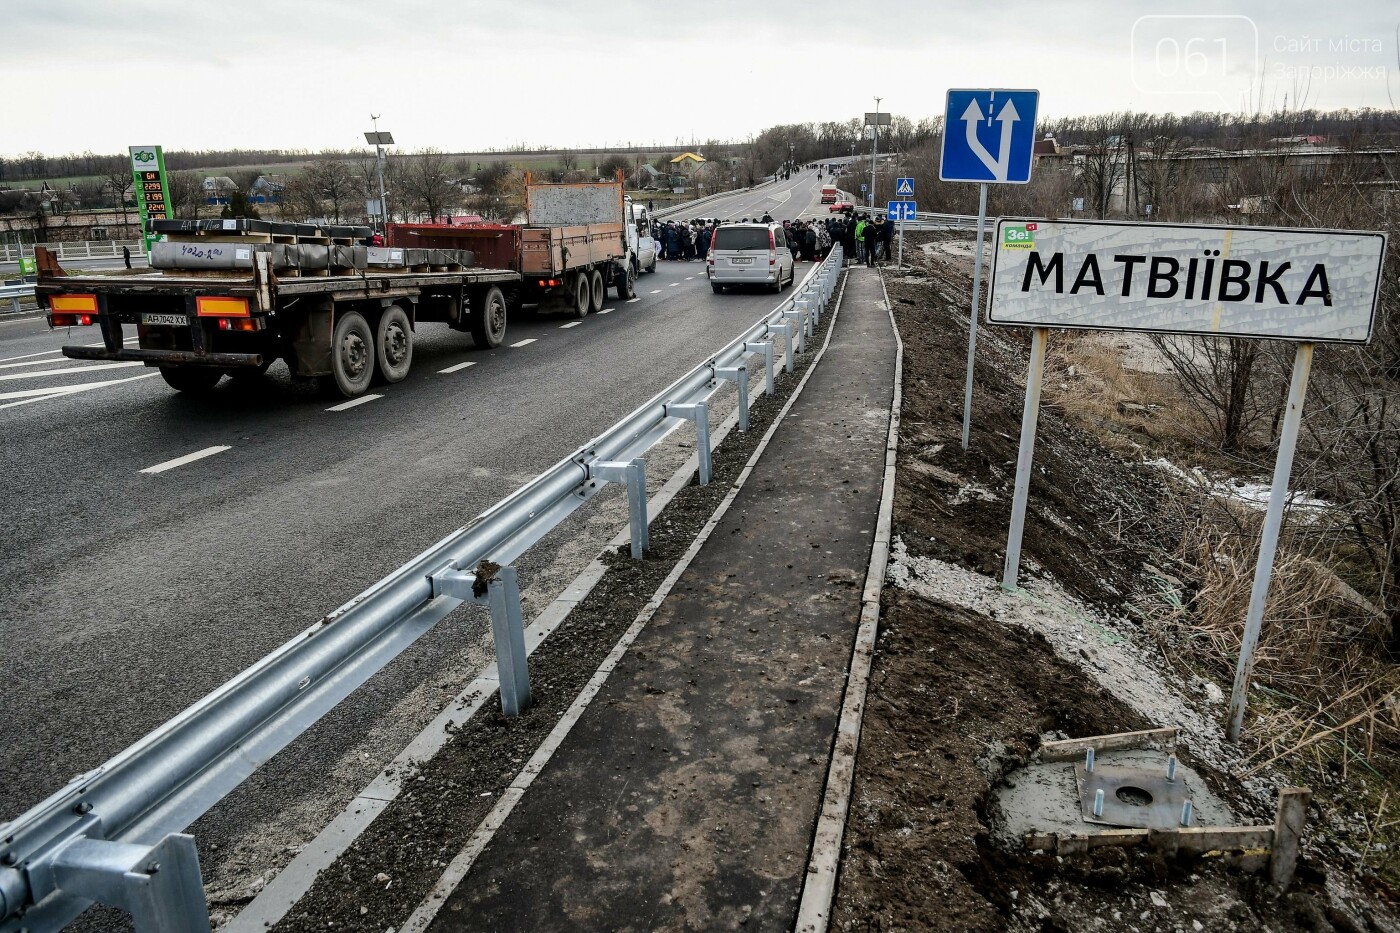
(904, 188)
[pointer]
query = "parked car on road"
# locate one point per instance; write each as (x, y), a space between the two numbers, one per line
(842, 206)
(750, 254)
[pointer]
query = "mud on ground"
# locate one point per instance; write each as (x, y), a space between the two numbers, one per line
(960, 693)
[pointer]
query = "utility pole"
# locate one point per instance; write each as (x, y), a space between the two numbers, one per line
(875, 152)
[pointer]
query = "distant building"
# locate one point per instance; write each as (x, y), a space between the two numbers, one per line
(686, 162)
(267, 189)
(218, 188)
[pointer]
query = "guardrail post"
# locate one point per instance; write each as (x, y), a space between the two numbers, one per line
(786, 330)
(766, 348)
(807, 305)
(634, 474)
(158, 885)
(500, 593)
(739, 375)
(699, 412)
(801, 318)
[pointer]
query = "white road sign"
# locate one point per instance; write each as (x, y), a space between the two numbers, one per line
(1282, 283)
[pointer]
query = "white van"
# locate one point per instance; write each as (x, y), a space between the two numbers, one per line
(750, 254)
(639, 236)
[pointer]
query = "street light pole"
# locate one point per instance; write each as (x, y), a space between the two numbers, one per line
(875, 152)
(379, 168)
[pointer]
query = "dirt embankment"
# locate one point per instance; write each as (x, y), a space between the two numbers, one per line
(967, 684)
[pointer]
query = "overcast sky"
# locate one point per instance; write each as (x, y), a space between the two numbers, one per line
(469, 75)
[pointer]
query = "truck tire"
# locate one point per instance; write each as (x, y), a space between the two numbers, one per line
(597, 291)
(195, 380)
(582, 300)
(352, 355)
(488, 323)
(393, 344)
(626, 283)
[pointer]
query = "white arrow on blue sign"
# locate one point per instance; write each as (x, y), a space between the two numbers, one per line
(862, 189)
(989, 135)
(902, 210)
(904, 187)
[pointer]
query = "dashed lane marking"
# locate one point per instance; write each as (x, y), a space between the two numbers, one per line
(344, 406)
(632, 301)
(656, 291)
(608, 310)
(672, 285)
(187, 458)
(571, 324)
(689, 277)
(457, 367)
(526, 342)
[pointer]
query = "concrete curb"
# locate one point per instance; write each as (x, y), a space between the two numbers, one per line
(428, 909)
(814, 910)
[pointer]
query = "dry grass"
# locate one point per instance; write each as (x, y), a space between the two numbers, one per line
(1086, 380)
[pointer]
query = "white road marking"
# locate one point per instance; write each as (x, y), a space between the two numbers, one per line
(656, 291)
(187, 458)
(689, 277)
(64, 372)
(571, 324)
(525, 342)
(69, 390)
(672, 285)
(25, 356)
(52, 359)
(30, 317)
(632, 301)
(344, 406)
(606, 310)
(459, 366)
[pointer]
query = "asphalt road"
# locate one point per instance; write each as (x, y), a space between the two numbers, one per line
(127, 595)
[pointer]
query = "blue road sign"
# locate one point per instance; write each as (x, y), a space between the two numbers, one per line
(902, 210)
(863, 187)
(988, 136)
(904, 187)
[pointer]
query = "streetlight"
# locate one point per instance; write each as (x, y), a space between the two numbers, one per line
(379, 140)
(875, 151)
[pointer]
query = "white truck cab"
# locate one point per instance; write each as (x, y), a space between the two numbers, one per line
(640, 242)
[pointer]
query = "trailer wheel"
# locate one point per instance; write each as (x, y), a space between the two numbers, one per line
(393, 344)
(488, 324)
(195, 380)
(627, 283)
(597, 291)
(581, 296)
(352, 355)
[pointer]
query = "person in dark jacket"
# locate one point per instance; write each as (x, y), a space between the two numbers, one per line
(886, 236)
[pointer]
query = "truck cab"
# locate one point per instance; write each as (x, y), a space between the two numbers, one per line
(640, 242)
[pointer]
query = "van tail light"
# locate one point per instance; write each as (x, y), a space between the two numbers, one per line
(772, 248)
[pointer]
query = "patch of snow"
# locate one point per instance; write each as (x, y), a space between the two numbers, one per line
(1255, 495)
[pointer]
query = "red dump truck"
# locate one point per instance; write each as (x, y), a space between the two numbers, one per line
(578, 241)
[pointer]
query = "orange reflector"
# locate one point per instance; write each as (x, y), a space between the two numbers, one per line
(73, 303)
(211, 306)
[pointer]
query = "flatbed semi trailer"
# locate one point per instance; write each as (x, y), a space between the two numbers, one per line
(342, 329)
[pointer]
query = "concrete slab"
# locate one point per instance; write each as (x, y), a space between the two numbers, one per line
(686, 796)
(1045, 798)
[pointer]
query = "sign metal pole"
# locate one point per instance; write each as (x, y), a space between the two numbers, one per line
(1024, 457)
(1268, 544)
(972, 325)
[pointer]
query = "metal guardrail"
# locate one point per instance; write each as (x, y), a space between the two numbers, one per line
(83, 249)
(928, 220)
(12, 294)
(113, 836)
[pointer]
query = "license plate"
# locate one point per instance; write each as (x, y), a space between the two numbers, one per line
(165, 320)
(747, 260)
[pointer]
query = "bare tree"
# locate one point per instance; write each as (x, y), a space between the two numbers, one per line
(186, 193)
(119, 182)
(428, 185)
(334, 181)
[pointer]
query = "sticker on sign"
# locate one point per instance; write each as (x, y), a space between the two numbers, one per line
(1272, 282)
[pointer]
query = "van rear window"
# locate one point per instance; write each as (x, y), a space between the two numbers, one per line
(741, 238)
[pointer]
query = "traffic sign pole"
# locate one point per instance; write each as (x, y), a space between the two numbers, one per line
(899, 262)
(1268, 544)
(972, 325)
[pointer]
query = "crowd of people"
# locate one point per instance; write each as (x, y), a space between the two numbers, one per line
(863, 239)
